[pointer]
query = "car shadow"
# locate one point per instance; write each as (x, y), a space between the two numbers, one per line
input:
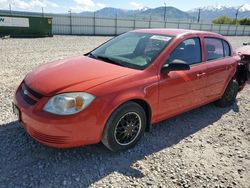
(25, 162)
(248, 76)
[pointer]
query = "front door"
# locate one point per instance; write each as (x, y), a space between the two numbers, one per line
(182, 90)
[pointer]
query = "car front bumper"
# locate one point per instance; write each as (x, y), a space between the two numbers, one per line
(83, 128)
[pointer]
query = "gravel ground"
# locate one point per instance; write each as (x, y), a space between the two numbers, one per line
(207, 147)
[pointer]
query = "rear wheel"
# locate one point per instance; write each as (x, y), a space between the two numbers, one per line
(229, 95)
(125, 127)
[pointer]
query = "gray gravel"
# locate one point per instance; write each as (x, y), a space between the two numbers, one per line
(207, 147)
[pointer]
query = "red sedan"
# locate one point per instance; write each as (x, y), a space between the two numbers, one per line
(115, 92)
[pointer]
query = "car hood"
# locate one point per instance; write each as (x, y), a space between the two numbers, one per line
(54, 77)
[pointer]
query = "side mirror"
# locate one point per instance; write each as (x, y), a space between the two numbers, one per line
(175, 65)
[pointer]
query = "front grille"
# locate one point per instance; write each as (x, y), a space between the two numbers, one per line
(48, 138)
(30, 96)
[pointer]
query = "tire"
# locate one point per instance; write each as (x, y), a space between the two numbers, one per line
(120, 132)
(229, 95)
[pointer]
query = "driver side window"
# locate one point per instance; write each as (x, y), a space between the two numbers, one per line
(188, 50)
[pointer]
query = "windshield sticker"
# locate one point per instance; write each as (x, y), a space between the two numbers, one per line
(160, 37)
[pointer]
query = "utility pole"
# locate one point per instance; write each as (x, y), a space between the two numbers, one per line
(236, 14)
(42, 12)
(10, 9)
(199, 16)
(165, 11)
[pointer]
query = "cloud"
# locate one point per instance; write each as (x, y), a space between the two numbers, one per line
(136, 5)
(27, 5)
(33, 5)
(86, 5)
(100, 5)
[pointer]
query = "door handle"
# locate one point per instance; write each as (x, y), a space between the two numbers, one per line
(199, 75)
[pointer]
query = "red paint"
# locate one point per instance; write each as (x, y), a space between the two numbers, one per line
(166, 94)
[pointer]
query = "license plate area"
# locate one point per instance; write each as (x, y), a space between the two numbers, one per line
(16, 111)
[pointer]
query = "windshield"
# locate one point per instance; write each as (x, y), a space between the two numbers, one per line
(133, 49)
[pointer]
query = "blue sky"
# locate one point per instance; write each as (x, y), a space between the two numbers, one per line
(60, 6)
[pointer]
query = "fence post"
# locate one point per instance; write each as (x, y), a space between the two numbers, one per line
(165, 24)
(236, 30)
(220, 29)
(212, 26)
(149, 24)
(116, 24)
(244, 29)
(134, 22)
(228, 28)
(94, 24)
(70, 21)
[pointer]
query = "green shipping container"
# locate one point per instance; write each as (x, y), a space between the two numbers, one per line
(25, 26)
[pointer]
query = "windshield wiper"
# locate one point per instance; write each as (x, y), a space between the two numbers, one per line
(105, 58)
(109, 60)
(91, 55)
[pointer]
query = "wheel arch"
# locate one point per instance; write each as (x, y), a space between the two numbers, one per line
(143, 103)
(147, 110)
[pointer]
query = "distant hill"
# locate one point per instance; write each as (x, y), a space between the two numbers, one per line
(110, 12)
(154, 13)
(171, 13)
(207, 13)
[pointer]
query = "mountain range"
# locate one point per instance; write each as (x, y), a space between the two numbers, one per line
(211, 12)
(207, 13)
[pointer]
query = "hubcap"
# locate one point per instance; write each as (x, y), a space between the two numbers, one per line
(128, 128)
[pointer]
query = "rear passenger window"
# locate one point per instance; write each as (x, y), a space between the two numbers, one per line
(214, 48)
(189, 51)
(227, 51)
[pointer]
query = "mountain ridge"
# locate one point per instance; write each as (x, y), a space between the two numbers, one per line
(207, 12)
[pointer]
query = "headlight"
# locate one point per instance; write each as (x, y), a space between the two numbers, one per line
(68, 103)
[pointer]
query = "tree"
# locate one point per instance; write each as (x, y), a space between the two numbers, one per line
(223, 20)
(245, 21)
(228, 20)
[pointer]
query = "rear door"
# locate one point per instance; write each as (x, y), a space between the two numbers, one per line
(181, 90)
(219, 66)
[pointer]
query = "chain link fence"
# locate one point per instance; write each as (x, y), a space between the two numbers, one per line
(72, 24)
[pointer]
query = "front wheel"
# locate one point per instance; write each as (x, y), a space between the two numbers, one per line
(229, 95)
(125, 127)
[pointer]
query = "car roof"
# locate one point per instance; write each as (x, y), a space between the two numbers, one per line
(175, 32)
